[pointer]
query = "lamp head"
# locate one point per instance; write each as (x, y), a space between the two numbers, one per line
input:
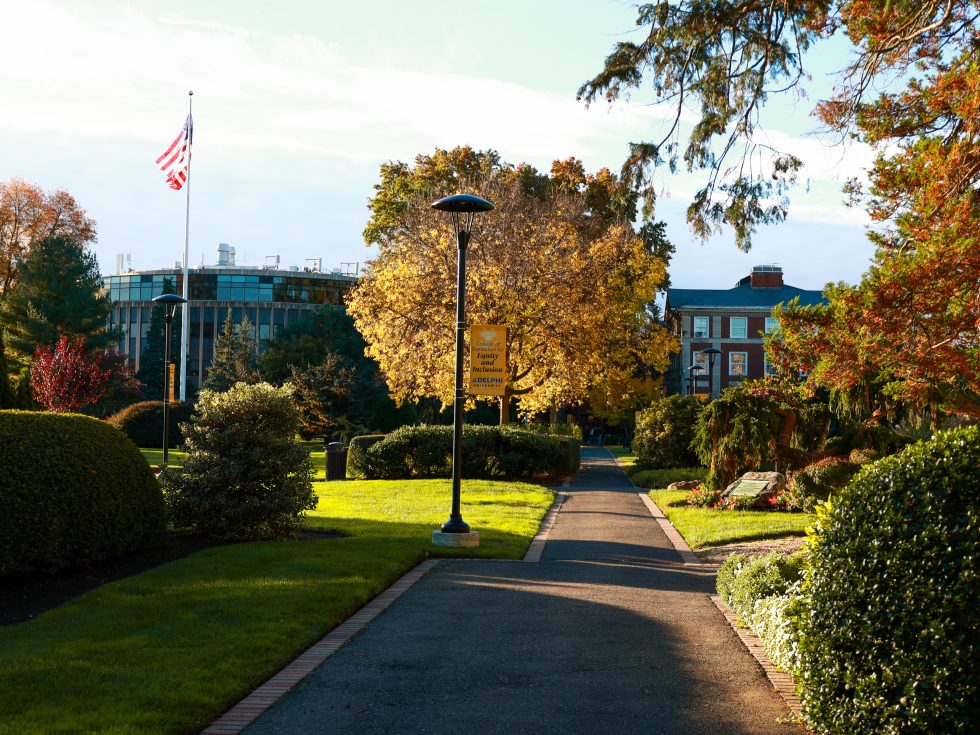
(462, 204)
(170, 302)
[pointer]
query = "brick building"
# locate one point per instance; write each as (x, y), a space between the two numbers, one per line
(731, 320)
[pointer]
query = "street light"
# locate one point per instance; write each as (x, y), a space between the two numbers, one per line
(693, 380)
(170, 302)
(711, 352)
(455, 531)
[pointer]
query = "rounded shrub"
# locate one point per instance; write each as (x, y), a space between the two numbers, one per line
(817, 481)
(246, 476)
(762, 576)
(891, 632)
(357, 454)
(664, 432)
(73, 491)
(143, 423)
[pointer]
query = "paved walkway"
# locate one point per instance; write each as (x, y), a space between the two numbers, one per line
(609, 633)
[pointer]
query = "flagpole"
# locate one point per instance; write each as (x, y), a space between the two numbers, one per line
(185, 314)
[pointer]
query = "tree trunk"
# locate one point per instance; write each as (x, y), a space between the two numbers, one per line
(553, 414)
(505, 409)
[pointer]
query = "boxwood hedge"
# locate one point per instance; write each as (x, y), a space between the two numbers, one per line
(356, 454)
(143, 422)
(73, 491)
(488, 451)
(891, 632)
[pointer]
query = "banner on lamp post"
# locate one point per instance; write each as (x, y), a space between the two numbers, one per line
(488, 360)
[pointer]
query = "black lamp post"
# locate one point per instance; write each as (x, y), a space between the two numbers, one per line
(711, 352)
(695, 371)
(462, 207)
(170, 302)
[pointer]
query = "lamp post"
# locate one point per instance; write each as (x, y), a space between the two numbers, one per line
(170, 302)
(695, 371)
(455, 531)
(711, 352)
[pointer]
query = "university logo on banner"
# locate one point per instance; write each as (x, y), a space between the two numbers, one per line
(488, 360)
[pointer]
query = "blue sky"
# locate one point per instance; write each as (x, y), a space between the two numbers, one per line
(296, 105)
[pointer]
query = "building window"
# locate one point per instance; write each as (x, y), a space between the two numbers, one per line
(699, 358)
(701, 326)
(772, 324)
(738, 363)
(767, 366)
(738, 327)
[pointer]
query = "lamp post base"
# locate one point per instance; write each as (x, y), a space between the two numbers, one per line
(468, 540)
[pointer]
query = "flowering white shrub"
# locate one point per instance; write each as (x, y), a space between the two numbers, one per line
(775, 620)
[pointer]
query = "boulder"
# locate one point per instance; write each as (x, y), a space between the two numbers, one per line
(761, 486)
(684, 485)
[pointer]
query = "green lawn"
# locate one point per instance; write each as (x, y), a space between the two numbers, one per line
(707, 527)
(168, 650)
(175, 458)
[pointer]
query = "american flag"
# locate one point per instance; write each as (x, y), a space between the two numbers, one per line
(175, 161)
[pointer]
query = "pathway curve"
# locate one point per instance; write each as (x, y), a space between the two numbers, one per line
(608, 633)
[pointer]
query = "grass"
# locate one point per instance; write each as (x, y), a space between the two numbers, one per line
(167, 650)
(702, 527)
(175, 458)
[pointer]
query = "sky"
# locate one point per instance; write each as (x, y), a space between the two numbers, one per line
(297, 105)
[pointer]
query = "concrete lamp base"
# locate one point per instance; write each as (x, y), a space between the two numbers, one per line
(461, 540)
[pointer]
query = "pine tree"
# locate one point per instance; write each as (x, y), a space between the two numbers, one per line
(59, 292)
(234, 356)
(7, 397)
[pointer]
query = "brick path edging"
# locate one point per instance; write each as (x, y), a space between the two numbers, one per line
(782, 681)
(247, 710)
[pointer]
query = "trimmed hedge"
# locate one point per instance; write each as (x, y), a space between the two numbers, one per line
(743, 581)
(891, 631)
(143, 423)
(488, 451)
(357, 454)
(73, 491)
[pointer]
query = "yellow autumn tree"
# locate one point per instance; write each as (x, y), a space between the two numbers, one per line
(557, 261)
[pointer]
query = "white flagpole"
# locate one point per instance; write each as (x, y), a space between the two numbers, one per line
(185, 318)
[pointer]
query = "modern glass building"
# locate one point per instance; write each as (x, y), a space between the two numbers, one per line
(271, 298)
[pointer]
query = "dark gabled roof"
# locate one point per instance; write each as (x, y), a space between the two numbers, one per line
(742, 296)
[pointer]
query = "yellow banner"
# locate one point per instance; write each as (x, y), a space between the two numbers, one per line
(488, 359)
(172, 381)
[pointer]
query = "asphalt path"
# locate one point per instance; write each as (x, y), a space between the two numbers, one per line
(608, 633)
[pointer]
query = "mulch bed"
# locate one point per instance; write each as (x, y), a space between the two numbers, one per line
(24, 598)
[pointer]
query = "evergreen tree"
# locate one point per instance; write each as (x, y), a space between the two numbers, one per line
(59, 292)
(7, 398)
(234, 356)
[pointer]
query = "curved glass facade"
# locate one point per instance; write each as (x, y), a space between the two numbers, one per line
(271, 299)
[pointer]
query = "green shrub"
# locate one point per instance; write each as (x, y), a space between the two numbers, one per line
(765, 575)
(665, 430)
(488, 451)
(657, 479)
(727, 573)
(557, 429)
(73, 491)
(357, 454)
(816, 482)
(864, 456)
(143, 423)
(776, 621)
(245, 476)
(891, 631)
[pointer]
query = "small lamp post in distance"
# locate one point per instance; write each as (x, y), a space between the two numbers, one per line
(695, 371)
(462, 207)
(170, 302)
(711, 352)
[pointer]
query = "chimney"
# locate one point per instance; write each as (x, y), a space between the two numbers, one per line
(766, 276)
